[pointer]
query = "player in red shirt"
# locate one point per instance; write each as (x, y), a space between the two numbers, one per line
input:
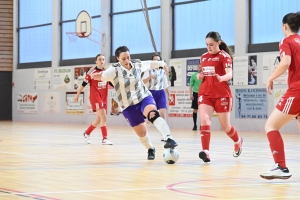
(98, 99)
(214, 93)
(288, 106)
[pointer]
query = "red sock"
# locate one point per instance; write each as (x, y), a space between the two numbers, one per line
(104, 132)
(90, 129)
(233, 134)
(205, 137)
(277, 147)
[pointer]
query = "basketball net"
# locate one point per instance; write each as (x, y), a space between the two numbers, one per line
(74, 35)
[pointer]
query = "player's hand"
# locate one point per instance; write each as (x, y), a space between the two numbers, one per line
(76, 98)
(220, 78)
(192, 97)
(200, 76)
(269, 87)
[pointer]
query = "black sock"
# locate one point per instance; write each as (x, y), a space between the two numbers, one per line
(195, 118)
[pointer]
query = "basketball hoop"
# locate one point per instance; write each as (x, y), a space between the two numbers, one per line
(74, 35)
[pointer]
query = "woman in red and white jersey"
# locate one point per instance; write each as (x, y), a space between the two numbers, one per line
(215, 94)
(288, 106)
(98, 99)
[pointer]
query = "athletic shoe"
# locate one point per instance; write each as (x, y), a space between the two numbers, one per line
(195, 128)
(151, 154)
(170, 143)
(87, 138)
(204, 155)
(276, 172)
(238, 148)
(106, 142)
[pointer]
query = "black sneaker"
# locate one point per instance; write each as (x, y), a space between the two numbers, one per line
(151, 154)
(170, 143)
(204, 155)
(195, 128)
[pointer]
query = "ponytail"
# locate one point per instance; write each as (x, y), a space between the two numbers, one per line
(223, 46)
(293, 20)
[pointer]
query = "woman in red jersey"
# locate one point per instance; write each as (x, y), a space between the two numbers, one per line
(98, 99)
(288, 106)
(214, 93)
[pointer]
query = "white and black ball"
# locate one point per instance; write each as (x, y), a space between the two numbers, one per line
(171, 155)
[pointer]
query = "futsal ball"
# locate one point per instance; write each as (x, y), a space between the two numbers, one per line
(171, 155)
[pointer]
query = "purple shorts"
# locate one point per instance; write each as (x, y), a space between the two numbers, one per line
(134, 114)
(159, 98)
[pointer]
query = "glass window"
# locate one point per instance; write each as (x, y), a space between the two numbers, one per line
(74, 47)
(130, 29)
(193, 21)
(123, 5)
(35, 31)
(267, 19)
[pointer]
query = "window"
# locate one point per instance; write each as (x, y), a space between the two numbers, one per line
(193, 20)
(80, 50)
(35, 33)
(266, 18)
(129, 27)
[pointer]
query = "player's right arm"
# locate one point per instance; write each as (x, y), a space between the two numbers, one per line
(106, 75)
(86, 81)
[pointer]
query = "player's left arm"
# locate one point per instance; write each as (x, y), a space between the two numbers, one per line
(227, 64)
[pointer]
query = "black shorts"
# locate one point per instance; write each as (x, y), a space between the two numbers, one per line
(195, 101)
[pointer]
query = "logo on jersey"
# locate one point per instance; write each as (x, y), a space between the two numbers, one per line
(101, 85)
(297, 40)
(200, 98)
(203, 59)
(215, 59)
(208, 59)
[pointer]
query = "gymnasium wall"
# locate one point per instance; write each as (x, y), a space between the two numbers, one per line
(23, 79)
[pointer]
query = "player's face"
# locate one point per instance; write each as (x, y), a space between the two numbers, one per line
(100, 61)
(156, 58)
(124, 59)
(212, 46)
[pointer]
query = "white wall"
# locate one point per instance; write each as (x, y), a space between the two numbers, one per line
(23, 79)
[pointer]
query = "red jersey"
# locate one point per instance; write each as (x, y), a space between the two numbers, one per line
(98, 89)
(291, 46)
(215, 64)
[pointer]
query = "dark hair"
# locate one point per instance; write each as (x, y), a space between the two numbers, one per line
(156, 55)
(293, 20)
(99, 55)
(223, 46)
(120, 50)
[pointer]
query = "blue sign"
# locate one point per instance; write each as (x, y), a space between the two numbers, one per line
(251, 103)
(191, 67)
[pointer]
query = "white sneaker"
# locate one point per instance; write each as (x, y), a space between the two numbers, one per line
(106, 142)
(87, 138)
(276, 172)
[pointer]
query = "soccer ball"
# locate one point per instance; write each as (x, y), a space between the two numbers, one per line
(171, 155)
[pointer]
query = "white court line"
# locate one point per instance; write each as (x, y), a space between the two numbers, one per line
(161, 188)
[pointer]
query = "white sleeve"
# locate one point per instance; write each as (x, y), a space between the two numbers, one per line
(109, 74)
(166, 82)
(151, 64)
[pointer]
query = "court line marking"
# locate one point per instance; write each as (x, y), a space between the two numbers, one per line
(160, 188)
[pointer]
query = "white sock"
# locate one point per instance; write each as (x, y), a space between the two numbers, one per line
(146, 141)
(163, 127)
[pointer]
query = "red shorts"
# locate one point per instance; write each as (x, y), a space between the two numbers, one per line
(219, 104)
(289, 103)
(98, 103)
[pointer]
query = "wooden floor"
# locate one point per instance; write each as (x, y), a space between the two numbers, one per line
(52, 162)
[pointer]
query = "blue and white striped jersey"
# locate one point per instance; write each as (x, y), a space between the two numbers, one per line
(129, 87)
(159, 83)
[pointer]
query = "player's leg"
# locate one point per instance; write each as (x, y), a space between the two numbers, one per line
(161, 105)
(94, 124)
(136, 120)
(148, 108)
(102, 115)
(275, 122)
(206, 112)
(223, 107)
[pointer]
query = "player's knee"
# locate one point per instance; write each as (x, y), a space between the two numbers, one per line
(153, 115)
